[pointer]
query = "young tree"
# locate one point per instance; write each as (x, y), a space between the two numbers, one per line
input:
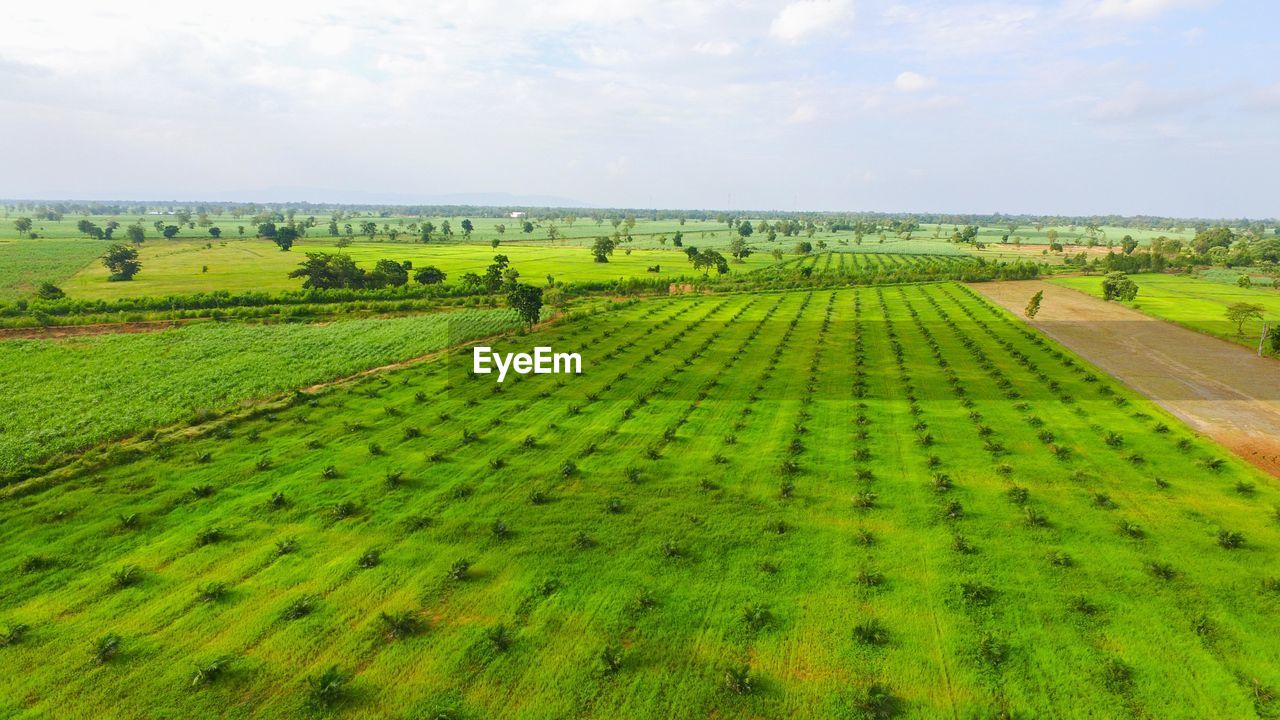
(122, 261)
(429, 275)
(89, 229)
(602, 249)
(708, 260)
(527, 227)
(493, 275)
(215, 231)
(428, 227)
(169, 231)
(467, 227)
(1033, 306)
(527, 301)
(745, 229)
(23, 225)
(285, 236)
(804, 247)
(135, 234)
(1240, 313)
(267, 230)
(1118, 286)
(738, 248)
(49, 291)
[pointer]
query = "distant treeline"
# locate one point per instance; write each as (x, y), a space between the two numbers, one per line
(837, 220)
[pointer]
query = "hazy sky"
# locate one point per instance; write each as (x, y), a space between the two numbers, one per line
(1059, 106)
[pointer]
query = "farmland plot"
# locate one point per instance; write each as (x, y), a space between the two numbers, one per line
(809, 504)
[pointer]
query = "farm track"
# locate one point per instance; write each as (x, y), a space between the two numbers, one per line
(1218, 388)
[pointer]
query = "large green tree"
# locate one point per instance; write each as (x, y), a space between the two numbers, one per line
(527, 301)
(122, 261)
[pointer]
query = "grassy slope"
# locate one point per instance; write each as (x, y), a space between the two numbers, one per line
(723, 517)
(67, 394)
(1193, 302)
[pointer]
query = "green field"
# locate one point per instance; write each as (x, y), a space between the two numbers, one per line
(24, 264)
(64, 395)
(182, 267)
(856, 500)
(1194, 302)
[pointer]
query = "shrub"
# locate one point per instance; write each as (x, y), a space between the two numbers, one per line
(1057, 558)
(499, 637)
(1133, 530)
(500, 530)
(34, 563)
(211, 592)
(209, 673)
(1163, 571)
(864, 500)
(610, 659)
(262, 464)
(671, 550)
(126, 576)
(992, 651)
(370, 559)
(329, 472)
(1034, 518)
(286, 546)
(1082, 605)
(1230, 540)
(1018, 495)
(864, 537)
(401, 624)
(13, 634)
(961, 544)
(738, 679)
(941, 482)
(202, 491)
(209, 536)
(613, 506)
(871, 632)
(538, 497)
(877, 703)
(105, 648)
(344, 510)
(277, 501)
(327, 689)
(977, 593)
(459, 569)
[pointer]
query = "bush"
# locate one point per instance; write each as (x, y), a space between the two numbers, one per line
(126, 576)
(299, 607)
(326, 690)
(871, 632)
(458, 570)
(209, 673)
(738, 679)
(105, 648)
(402, 624)
(1230, 540)
(611, 659)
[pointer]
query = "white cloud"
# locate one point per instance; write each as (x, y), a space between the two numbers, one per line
(721, 48)
(909, 81)
(808, 17)
(1140, 9)
(801, 115)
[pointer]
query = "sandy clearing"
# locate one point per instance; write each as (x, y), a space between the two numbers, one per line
(1218, 388)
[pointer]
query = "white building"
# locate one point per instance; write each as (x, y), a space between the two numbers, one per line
(515, 214)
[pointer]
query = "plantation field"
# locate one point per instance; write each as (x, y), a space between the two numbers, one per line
(1193, 302)
(68, 394)
(847, 501)
(181, 267)
(24, 264)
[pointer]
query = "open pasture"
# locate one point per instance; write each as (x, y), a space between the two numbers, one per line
(183, 267)
(846, 502)
(1194, 302)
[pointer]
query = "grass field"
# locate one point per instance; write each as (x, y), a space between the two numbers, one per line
(1197, 303)
(24, 264)
(855, 500)
(68, 394)
(175, 267)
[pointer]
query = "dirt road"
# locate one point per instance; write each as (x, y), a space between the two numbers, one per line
(1218, 388)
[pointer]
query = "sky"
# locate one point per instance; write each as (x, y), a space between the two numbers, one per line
(1081, 107)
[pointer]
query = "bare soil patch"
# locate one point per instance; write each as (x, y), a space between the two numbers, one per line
(1218, 388)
